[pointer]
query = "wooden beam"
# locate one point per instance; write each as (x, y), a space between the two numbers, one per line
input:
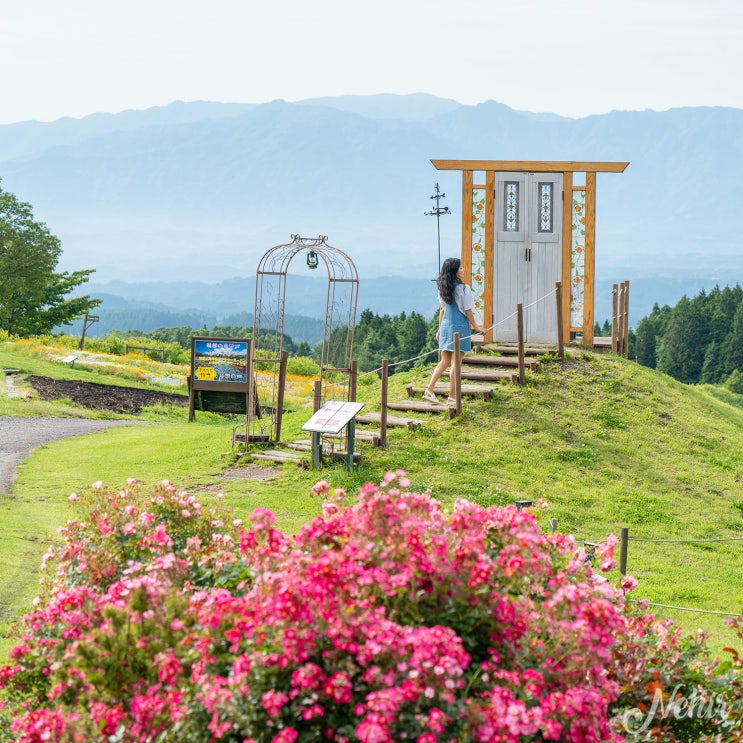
(467, 220)
(531, 166)
(567, 250)
(488, 311)
(590, 266)
(467, 225)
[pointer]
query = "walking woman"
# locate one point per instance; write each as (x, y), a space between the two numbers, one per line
(455, 316)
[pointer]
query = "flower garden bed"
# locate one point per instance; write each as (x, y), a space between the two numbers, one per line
(388, 619)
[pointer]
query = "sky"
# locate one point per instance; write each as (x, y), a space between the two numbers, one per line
(570, 57)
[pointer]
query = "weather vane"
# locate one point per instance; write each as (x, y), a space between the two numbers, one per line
(437, 212)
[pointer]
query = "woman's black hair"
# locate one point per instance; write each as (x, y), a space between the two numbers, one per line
(447, 279)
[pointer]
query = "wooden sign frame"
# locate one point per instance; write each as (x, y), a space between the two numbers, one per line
(218, 381)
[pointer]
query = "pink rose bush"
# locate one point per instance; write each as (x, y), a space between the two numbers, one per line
(164, 619)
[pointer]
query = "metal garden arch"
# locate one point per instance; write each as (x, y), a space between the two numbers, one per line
(268, 358)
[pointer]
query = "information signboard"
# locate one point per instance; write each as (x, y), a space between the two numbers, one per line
(333, 416)
(220, 360)
(219, 375)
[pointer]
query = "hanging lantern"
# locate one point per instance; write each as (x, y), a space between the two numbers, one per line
(311, 259)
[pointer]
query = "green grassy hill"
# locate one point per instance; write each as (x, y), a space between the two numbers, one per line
(603, 442)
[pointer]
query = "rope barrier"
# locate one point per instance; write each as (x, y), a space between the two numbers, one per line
(699, 611)
(686, 541)
(436, 350)
(673, 541)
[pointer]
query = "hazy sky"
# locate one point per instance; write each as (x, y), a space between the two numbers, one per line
(572, 57)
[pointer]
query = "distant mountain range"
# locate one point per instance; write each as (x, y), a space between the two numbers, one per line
(197, 192)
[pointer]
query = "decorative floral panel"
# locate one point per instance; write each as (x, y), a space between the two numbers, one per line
(578, 258)
(478, 252)
(545, 207)
(511, 206)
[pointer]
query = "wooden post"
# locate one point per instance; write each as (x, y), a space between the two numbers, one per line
(456, 370)
(626, 320)
(190, 399)
(87, 322)
(589, 278)
(383, 411)
(520, 331)
(316, 440)
(620, 319)
(249, 392)
(560, 333)
(624, 543)
(317, 395)
(353, 375)
(350, 443)
(280, 392)
(614, 318)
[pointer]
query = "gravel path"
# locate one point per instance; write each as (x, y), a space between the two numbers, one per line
(20, 436)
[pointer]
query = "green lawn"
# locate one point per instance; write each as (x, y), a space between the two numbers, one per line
(604, 442)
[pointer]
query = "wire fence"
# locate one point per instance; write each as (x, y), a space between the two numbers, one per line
(623, 565)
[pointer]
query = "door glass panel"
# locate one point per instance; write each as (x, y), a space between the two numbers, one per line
(511, 206)
(545, 191)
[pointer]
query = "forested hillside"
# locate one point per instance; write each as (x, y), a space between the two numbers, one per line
(697, 340)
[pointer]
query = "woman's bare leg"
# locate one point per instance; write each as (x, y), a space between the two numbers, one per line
(440, 368)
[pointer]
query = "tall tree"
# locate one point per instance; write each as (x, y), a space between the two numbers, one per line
(33, 295)
(734, 348)
(649, 331)
(681, 353)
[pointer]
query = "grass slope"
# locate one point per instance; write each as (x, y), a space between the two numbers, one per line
(604, 442)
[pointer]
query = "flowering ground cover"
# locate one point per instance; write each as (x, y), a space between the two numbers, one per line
(386, 618)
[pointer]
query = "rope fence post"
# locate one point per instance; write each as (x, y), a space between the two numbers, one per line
(625, 340)
(457, 372)
(520, 336)
(316, 441)
(317, 395)
(353, 375)
(283, 361)
(623, 545)
(383, 411)
(620, 321)
(560, 333)
(614, 319)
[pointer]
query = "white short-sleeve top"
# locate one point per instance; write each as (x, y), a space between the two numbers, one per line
(462, 298)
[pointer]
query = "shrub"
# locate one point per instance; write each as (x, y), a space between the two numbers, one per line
(734, 382)
(302, 366)
(387, 620)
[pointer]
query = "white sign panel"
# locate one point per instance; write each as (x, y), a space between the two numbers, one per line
(333, 416)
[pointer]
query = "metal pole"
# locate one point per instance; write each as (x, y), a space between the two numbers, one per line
(437, 211)
(438, 236)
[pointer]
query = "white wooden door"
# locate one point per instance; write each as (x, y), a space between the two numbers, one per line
(528, 254)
